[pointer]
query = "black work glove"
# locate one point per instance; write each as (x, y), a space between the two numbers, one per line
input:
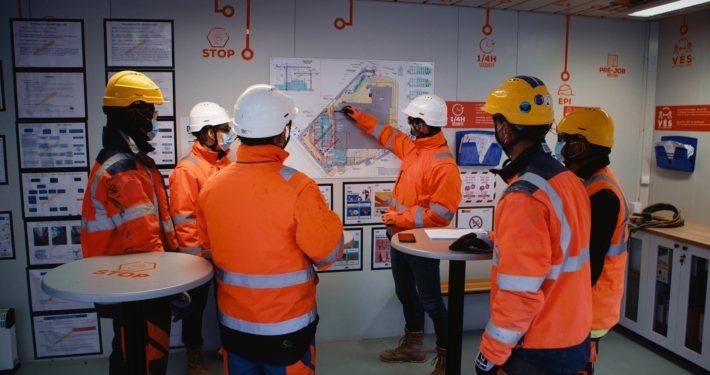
(484, 366)
(352, 112)
(181, 305)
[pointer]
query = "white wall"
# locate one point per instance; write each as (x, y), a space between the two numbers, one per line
(684, 86)
(352, 305)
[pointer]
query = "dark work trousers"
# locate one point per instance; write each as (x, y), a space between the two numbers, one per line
(158, 316)
(589, 370)
(411, 274)
(516, 366)
(192, 324)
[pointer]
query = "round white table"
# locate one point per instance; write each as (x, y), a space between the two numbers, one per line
(439, 249)
(129, 279)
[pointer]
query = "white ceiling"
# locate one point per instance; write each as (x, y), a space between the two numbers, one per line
(591, 8)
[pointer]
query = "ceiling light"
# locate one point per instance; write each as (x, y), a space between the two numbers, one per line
(665, 8)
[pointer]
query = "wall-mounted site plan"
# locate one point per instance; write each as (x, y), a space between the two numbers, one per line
(324, 141)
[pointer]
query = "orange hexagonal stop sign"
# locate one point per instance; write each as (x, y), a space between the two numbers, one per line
(218, 37)
(137, 266)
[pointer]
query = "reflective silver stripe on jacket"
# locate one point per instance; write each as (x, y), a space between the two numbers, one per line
(101, 212)
(441, 211)
(615, 250)
(378, 129)
(389, 144)
(118, 219)
(168, 226)
(515, 283)
(192, 159)
(193, 250)
(419, 217)
(396, 205)
(287, 173)
(503, 335)
(333, 254)
(184, 219)
(268, 329)
(282, 280)
(443, 155)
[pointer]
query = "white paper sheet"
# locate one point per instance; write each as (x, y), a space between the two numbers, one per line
(164, 80)
(450, 234)
(42, 301)
(139, 43)
(53, 145)
(63, 335)
(53, 242)
(48, 44)
(164, 144)
(53, 194)
(50, 95)
(7, 249)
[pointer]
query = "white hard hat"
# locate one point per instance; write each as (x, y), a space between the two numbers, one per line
(207, 114)
(263, 111)
(428, 107)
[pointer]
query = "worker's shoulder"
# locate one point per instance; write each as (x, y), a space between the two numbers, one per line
(294, 178)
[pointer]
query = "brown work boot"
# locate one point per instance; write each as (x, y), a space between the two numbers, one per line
(411, 348)
(439, 361)
(195, 365)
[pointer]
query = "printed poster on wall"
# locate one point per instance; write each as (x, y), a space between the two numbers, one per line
(352, 255)
(50, 95)
(67, 335)
(53, 194)
(48, 44)
(139, 43)
(468, 115)
(164, 143)
(685, 118)
(41, 301)
(53, 145)
(166, 179)
(3, 161)
(7, 241)
(475, 218)
(53, 242)
(327, 191)
(381, 254)
(365, 202)
(478, 187)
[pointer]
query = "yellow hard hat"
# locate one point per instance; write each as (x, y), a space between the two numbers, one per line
(593, 123)
(127, 87)
(523, 100)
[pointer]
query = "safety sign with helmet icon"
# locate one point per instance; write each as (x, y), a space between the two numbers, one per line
(475, 218)
(477, 187)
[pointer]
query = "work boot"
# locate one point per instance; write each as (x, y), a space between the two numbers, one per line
(411, 349)
(439, 361)
(195, 365)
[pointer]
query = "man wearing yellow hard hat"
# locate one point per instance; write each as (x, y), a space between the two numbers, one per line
(584, 141)
(125, 207)
(540, 296)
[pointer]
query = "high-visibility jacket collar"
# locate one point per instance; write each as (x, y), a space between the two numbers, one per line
(210, 156)
(512, 167)
(586, 172)
(261, 154)
(434, 141)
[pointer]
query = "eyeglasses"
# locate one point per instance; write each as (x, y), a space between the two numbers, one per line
(415, 121)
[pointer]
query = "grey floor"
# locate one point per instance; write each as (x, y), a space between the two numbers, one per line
(620, 353)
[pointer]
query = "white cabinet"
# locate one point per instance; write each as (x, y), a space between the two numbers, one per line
(666, 295)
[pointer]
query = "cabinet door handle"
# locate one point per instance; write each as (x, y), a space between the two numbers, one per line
(675, 245)
(685, 247)
(682, 259)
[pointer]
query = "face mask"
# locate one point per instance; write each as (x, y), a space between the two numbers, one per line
(151, 134)
(227, 139)
(558, 151)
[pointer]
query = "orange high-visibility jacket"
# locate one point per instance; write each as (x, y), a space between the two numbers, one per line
(540, 294)
(428, 187)
(267, 225)
(607, 292)
(186, 181)
(125, 206)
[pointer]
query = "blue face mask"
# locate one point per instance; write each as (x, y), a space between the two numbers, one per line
(151, 134)
(227, 139)
(558, 151)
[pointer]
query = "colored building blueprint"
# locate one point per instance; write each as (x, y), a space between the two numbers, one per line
(326, 142)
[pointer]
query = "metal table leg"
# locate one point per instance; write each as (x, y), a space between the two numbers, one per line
(457, 275)
(135, 331)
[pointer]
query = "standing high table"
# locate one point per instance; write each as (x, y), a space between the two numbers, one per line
(129, 279)
(439, 249)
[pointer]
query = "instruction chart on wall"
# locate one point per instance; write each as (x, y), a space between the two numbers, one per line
(351, 260)
(53, 194)
(65, 335)
(53, 145)
(365, 202)
(478, 187)
(53, 242)
(326, 142)
(42, 301)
